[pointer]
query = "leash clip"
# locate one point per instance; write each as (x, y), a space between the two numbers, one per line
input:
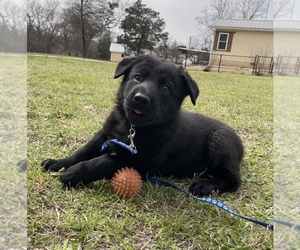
(131, 147)
(131, 136)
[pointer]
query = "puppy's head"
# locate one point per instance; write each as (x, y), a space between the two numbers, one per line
(153, 89)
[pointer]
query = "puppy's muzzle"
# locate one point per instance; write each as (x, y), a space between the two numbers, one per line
(141, 100)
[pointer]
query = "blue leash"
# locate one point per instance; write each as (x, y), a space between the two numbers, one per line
(210, 200)
(221, 205)
(288, 224)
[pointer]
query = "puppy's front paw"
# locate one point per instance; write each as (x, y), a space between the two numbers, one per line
(52, 165)
(73, 176)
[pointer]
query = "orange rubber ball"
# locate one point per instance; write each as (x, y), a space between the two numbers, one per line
(127, 182)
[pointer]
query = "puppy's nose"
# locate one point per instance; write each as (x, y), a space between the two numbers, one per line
(141, 99)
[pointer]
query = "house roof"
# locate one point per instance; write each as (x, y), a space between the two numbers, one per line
(287, 25)
(262, 25)
(116, 47)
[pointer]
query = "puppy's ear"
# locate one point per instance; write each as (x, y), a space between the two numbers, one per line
(190, 87)
(124, 66)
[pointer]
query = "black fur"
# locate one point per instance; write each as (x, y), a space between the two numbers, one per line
(169, 140)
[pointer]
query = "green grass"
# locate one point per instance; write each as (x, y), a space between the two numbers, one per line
(287, 159)
(68, 101)
(13, 192)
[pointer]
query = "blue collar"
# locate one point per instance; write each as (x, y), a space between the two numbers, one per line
(131, 147)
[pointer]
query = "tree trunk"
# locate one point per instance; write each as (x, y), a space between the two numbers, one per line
(82, 30)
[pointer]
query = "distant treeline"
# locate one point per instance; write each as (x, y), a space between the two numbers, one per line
(12, 27)
(78, 27)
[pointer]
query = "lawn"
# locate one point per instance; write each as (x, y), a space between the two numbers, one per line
(13, 192)
(287, 159)
(68, 101)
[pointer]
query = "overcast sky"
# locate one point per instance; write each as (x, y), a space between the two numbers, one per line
(180, 15)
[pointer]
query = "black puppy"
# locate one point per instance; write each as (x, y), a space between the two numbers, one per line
(147, 130)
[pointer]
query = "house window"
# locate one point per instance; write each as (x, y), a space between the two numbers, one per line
(223, 41)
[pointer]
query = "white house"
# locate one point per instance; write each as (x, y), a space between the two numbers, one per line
(116, 52)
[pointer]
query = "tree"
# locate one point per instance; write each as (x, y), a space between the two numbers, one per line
(12, 27)
(228, 9)
(142, 28)
(86, 20)
(103, 46)
(43, 25)
(283, 9)
(251, 9)
(52, 22)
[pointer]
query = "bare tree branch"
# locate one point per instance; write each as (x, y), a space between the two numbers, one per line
(90, 18)
(251, 9)
(43, 24)
(227, 9)
(283, 9)
(12, 26)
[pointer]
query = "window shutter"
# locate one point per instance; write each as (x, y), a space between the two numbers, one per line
(216, 40)
(229, 42)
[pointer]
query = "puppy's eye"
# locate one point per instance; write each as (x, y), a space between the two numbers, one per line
(165, 88)
(138, 77)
